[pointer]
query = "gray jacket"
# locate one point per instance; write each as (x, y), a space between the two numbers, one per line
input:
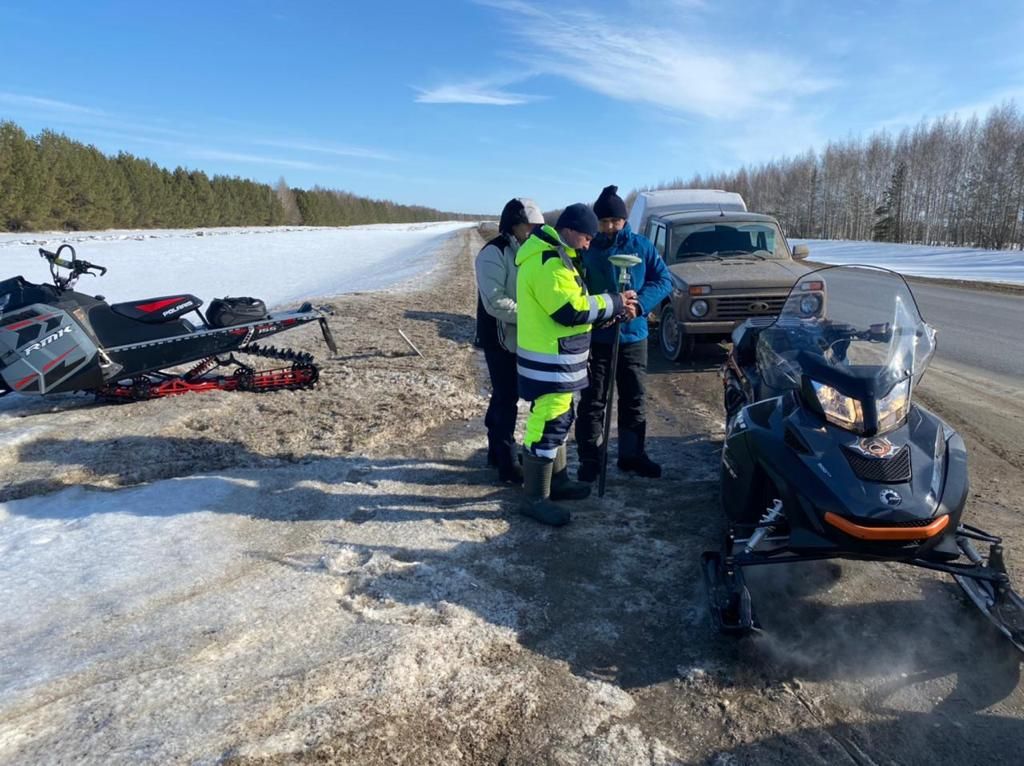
(496, 281)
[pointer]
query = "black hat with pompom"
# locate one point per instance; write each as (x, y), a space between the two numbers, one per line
(609, 204)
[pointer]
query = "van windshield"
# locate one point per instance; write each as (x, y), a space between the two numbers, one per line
(757, 240)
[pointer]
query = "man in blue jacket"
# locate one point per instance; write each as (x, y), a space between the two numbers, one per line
(652, 281)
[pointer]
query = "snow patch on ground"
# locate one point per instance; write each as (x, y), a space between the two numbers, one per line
(967, 263)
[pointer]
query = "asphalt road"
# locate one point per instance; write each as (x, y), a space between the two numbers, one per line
(979, 329)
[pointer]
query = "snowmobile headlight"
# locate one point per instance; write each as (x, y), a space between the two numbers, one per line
(893, 407)
(4, 300)
(699, 308)
(839, 409)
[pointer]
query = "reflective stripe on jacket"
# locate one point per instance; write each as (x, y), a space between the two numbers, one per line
(554, 316)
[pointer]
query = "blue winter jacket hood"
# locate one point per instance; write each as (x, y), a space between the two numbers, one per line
(650, 278)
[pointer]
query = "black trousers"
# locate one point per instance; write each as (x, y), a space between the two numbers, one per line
(502, 411)
(630, 386)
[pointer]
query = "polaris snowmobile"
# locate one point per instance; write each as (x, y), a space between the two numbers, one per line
(54, 339)
(827, 456)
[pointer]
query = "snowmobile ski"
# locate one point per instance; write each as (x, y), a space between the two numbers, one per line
(728, 597)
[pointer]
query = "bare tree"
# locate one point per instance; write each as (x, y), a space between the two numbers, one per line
(946, 181)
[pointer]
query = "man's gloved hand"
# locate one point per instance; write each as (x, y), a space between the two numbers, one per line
(630, 310)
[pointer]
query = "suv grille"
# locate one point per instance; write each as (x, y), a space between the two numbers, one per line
(891, 470)
(736, 307)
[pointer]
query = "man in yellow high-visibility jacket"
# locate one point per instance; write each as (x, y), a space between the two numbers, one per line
(555, 315)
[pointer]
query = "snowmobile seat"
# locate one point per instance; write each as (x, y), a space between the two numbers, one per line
(158, 310)
(111, 329)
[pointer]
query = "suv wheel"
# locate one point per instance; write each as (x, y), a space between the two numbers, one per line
(675, 346)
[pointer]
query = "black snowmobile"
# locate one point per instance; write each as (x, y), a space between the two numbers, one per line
(827, 456)
(54, 340)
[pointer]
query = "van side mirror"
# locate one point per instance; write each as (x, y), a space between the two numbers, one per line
(801, 251)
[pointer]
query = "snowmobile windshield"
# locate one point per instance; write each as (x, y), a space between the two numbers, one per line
(852, 339)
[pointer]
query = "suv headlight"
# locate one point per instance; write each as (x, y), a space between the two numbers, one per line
(699, 308)
(810, 305)
(4, 300)
(893, 407)
(841, 410)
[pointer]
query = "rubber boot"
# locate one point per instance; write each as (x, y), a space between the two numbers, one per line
(537, 490)
(589, 470)
(562, 487)
(590, 463)
(632, 456)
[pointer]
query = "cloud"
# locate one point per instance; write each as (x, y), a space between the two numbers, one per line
(964, 111)
(47, 104)
(472, 93)
(321, 148)
(982, 107)
(667, 67)
(249, 159)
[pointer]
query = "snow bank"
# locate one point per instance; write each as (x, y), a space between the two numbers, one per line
(279, 264)
(967, 263)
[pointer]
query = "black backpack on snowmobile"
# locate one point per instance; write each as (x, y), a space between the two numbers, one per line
(54, 339)
(827, 455)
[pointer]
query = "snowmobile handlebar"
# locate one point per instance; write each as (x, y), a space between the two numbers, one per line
(76, 266)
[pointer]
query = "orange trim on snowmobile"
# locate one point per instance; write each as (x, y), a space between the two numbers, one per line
(887, 533)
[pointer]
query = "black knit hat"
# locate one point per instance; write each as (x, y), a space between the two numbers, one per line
(578, 217)
(609, 204)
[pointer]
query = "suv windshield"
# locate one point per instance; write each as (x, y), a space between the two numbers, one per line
(752, 239)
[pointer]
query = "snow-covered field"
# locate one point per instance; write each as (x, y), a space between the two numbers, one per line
(278, 264)
(964, 263)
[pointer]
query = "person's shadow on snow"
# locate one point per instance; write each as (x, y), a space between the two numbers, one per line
(129, 462)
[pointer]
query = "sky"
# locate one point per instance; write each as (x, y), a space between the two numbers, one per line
(462, 104)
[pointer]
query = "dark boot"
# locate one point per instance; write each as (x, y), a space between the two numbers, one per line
(632, 456)
(590, 459)
(537, 490)
(642, 466)
(509, 470)
(562, 487)
(589, 470)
